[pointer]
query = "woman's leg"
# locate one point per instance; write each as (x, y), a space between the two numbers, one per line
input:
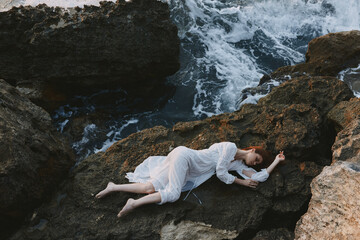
(132, 187)
(131, 204)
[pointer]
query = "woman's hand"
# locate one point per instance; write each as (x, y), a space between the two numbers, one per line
(250, 183)
(247, 182)
(280, 157)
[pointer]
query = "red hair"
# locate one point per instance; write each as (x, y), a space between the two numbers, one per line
(267, 157)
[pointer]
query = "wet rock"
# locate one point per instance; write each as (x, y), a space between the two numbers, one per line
(321, 92)
(52, 53)
(326, 56)
(352, 78)
(293, 125)
(344, 112)
(35, 158)
(275, 234)
(188, 230)
(347, 144)
(334, 207)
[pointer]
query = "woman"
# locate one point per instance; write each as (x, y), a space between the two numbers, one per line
(163, 178)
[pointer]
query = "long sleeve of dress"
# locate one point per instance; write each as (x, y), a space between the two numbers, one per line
(227, 154)
(260, 176)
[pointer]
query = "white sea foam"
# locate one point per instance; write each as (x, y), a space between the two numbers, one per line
(253, 99)
(351, 76)
(115, 135)
(88, 134)
(62, 125)
(219, 25)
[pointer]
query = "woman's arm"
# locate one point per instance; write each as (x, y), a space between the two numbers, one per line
(227, 152)
(257, 176)
(280, 157)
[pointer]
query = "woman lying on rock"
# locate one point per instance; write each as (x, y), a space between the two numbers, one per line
(163, 178)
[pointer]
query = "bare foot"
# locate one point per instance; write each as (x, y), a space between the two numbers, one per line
(107, 190)
(129, 206)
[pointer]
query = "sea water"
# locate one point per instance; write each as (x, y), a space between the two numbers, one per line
(226, 46)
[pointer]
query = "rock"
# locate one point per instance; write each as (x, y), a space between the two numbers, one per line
(326, 56)
(52, 53)
(351, 76)
(344, 112)
(275, 234)
(347, 144)
(322, 92)
(187, 230)
(34, 157)
(294, 125)
(334, 207)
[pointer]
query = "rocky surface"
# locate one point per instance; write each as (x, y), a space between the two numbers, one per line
(34, 157)
(51, 53)
(344, 112)
(326, 56)
(347, 144)
(187, 230)
(296, 125)
(334, 207)
(275, 234)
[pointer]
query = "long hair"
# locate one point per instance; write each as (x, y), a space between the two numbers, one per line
(267, 157)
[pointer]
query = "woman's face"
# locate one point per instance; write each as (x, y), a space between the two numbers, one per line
(253, 158)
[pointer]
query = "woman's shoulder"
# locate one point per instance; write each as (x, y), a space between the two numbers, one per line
(224, 144)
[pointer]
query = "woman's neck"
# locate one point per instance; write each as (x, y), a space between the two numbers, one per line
(241, 154)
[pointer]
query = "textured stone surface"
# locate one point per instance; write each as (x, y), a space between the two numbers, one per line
(51, 53)
(344, 112)
(275, 234)
(295, 127)
(326, 56)
(187, 230)
(323, 93)
(34, 157)
(334, 207)
(334, 211)
(347, 144)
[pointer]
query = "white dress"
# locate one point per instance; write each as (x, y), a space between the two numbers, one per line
(184, 169)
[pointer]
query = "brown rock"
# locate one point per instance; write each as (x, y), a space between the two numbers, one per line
(344, 112)
(295, 128)
(323, 93)
(334, 207)
(326, 56)
(347, 143)
(34, 157)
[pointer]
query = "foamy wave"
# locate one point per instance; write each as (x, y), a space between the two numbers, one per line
(351, 76)
(241, 42)
(115, 135)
